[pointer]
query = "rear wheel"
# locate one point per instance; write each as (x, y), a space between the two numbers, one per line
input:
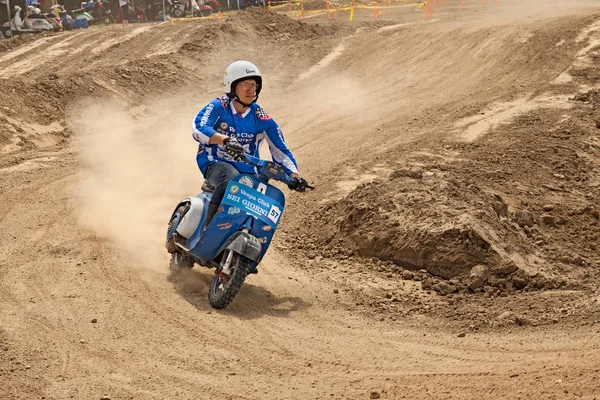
(224, 288)
(172, 227)
(178, 259)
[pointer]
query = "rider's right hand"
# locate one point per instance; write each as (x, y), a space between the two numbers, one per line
(299, 184)
(233, 148)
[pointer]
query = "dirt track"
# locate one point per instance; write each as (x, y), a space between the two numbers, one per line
(450, 250)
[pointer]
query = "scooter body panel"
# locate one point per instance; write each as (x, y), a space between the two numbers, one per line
(249, 202)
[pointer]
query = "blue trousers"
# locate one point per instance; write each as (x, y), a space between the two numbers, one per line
(218, 175)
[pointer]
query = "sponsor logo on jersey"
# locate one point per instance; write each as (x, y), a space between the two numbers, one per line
(224, 101)
(206, 115)
(224, 126)
(280, 134)
(262, 114)
(234, 189)
(266, 228)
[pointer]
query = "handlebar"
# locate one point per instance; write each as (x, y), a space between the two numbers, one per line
(270, 169)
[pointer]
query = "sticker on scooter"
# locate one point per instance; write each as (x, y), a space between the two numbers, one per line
(224, 225)
(274, 214)
(246, 180)
(255, 203)
(233, 211)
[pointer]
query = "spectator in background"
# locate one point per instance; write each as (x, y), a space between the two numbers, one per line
(149, 12)
(124, 12)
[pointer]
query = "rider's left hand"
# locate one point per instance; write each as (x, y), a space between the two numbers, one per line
(299, 184)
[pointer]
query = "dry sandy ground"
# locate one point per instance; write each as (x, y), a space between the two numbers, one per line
(449, 251)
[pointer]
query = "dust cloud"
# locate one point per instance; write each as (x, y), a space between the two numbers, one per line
(503, 11)
(307, 108)
(137, 164)
(337, 97)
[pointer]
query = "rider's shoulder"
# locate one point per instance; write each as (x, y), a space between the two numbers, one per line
(261, 113)
(223, 100)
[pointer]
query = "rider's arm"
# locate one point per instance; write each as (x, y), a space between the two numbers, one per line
(279, 150)
(217, 138)
(203, 131)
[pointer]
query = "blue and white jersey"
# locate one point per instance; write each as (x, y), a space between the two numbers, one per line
(250, 129)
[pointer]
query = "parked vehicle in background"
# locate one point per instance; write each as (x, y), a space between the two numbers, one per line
(20, 24)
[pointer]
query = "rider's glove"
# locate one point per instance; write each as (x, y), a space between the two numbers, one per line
(299, 184)
(233, 148)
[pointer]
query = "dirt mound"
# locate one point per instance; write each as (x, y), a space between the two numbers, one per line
(592, 97)
(134, 64)
(515, 210)
(486, 213)
(20, 40)
(275, 25)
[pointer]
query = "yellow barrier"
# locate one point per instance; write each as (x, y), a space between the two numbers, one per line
(299, 11)
(288, 3)
(350, 8)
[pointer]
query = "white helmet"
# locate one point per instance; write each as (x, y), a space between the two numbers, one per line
(239, 71)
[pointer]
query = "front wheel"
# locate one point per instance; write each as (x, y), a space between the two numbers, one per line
(224, 288)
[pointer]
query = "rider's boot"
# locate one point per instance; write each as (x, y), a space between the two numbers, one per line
(210, 213)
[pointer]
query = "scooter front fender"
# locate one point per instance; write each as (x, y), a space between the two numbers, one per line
(244, 244)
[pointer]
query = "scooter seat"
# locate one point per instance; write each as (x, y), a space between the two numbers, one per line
(207, 187)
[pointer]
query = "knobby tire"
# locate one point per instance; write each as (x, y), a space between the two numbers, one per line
(231, 289)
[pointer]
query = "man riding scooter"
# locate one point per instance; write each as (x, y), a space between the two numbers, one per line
(234, 124)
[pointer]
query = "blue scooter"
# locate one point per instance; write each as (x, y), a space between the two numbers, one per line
(239, 234)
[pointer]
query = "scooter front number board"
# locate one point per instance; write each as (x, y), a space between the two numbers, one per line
(253, 202)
